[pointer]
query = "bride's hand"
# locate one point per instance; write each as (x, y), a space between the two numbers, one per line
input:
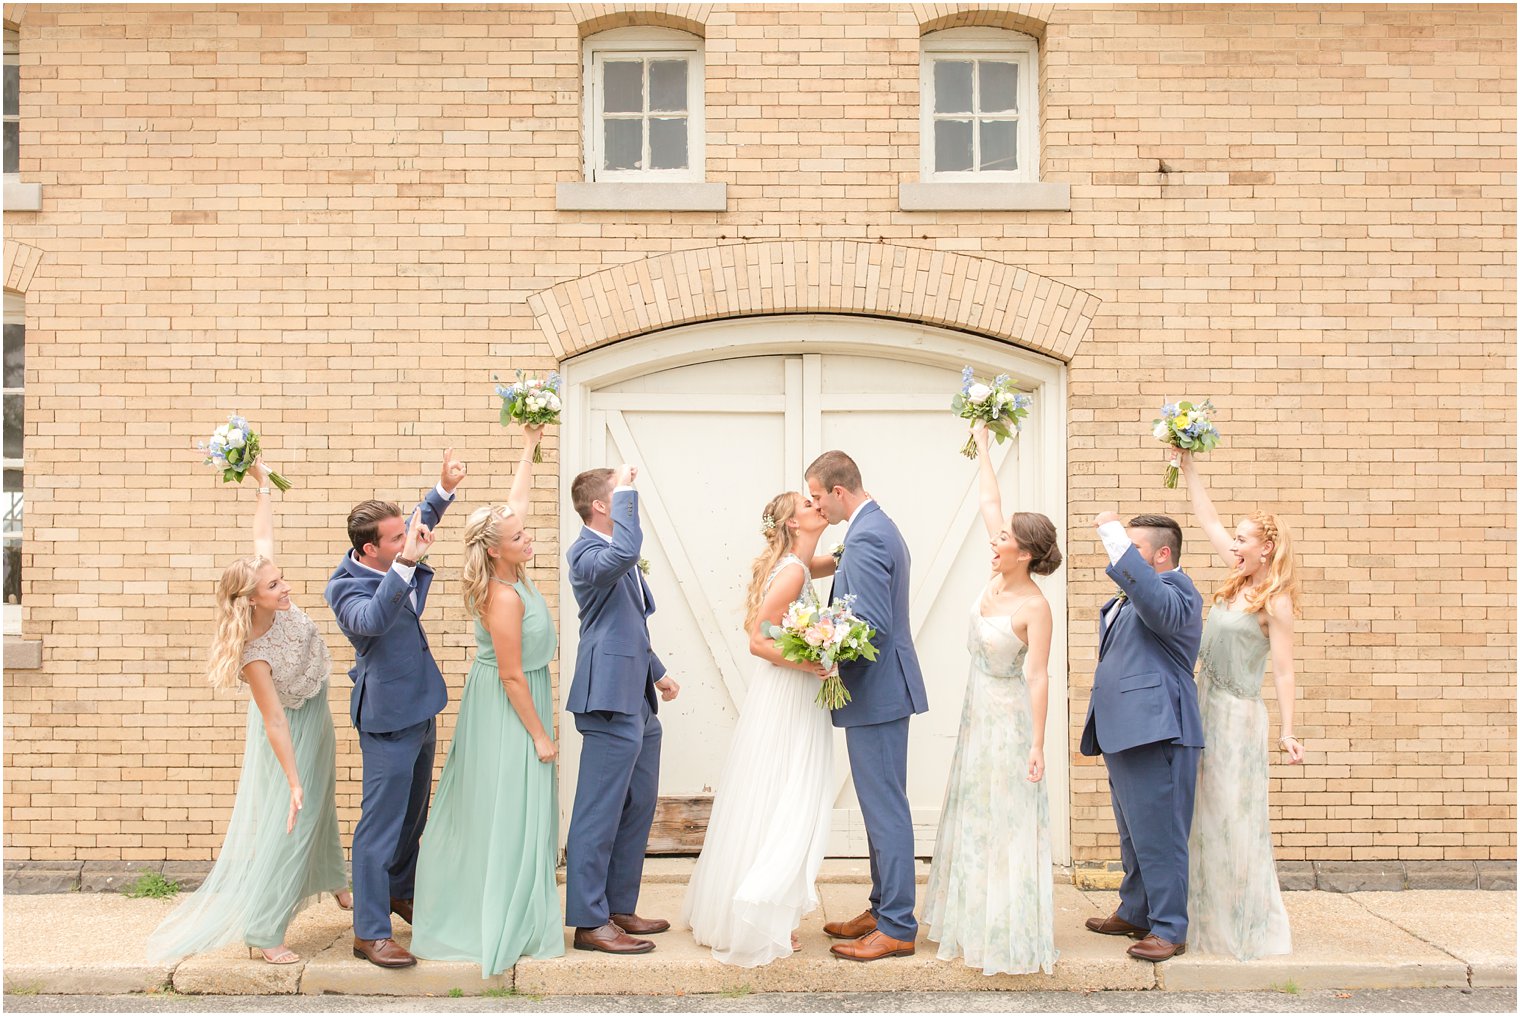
(821, 671)
(1036, 765)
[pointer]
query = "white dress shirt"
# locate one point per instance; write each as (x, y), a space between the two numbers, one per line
(1116, 541)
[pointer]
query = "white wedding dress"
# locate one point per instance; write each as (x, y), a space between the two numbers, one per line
(770, 818)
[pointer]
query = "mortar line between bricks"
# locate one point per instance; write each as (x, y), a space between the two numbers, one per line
(1415, 935)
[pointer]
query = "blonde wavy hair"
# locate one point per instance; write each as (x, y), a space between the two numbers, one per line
(482, 531)
(1281, 579)
(234, 620)
(778, 543)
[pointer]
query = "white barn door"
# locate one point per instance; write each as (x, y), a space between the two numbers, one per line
(720, 417)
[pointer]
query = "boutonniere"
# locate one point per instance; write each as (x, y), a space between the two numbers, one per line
(644, 565)
(837, 552)
(1121, 597)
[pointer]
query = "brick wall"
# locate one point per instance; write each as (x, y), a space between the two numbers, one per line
(333, 219)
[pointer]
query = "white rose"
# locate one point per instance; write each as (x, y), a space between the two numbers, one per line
(235, 439)
(221, 431)
(1161, 431)
(978, 392)
(553, 401)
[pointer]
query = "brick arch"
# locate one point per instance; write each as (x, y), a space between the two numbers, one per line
(1028, 18)
(961, 291)
(593, 18)
(21, 261)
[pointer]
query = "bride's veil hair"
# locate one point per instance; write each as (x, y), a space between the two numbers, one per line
(778, 543)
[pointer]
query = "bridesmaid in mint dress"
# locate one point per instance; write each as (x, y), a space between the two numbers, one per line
(1235, 904)
(485, 876)
(281, 849)
(991, 894)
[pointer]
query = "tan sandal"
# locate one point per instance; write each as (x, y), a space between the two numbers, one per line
(796, 944)
(280, 955)
(338, 898)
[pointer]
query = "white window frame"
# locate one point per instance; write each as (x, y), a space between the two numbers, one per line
(15, 314)
(974, 44)
(647, 44)
(13, 59)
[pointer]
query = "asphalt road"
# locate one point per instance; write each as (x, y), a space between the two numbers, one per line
(1397, 1000)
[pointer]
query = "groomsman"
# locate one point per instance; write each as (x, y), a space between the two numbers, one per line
(378, 593)
(1143, 718)
(614, 697)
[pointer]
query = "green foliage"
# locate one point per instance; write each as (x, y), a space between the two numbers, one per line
(153, 886)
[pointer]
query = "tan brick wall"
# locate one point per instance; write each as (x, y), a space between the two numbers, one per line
(333, 219)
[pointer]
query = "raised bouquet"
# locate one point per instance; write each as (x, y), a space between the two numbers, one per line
(533, 401)
(1187, 426)
(812, 633)
(1001, 405)
(233, 449)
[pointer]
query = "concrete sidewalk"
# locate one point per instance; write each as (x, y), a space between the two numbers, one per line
(92, 943)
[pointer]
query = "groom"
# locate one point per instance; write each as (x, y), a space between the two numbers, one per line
(612, 698)
(1143, 718)
(883, 695)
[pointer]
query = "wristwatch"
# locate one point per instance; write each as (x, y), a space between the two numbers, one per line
(403, 561)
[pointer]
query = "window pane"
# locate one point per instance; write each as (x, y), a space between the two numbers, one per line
(13, 481)
(15, 355)
(667, 143)
(12, 590)
(12, 90)
(952, 86)
(12, 147)
(13, 426)
(623, 86)
(952, 145)
(1000, 145)
(999, 86)
(624, 148)
(667, 86)
(13, 506)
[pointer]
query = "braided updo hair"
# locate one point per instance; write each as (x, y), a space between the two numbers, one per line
(1280, 580)
(1037, 534)
(778, 543)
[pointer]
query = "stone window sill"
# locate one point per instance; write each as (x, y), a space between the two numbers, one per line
(22, 197)
(21, 655)
(984, 197)
(641, 197)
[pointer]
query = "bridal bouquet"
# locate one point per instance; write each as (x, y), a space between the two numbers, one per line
(1186, 426)
(812, 633)
(532, 400)
(999, 404)
(233, 448)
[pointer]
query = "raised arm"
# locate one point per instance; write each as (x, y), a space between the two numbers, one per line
(1203, 506)
(522, 483)
(991, 499)
(263, 514)
(1280, 636)
(602, 565)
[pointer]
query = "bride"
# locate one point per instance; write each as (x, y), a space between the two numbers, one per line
(770, 818)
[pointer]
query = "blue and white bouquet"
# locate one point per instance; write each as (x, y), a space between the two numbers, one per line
(1187, 426)
(1001, 405)
(533, 401)
(233, 449)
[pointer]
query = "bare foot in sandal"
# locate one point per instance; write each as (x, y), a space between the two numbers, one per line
(796, 944)
(345, 899)
(280, 955)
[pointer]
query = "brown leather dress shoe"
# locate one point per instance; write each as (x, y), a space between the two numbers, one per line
(1113, 924)
(1156, 949)
(402, 909)
(383, 952)
(875, 945)
(633, 924)
(609, 938)
(855, 927)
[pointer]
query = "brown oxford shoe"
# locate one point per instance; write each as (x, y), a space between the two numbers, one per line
(1113, 924)
(402, 909)
(383, 952)
(875, 945)
(855, 927)
(609, 938)
(1156, 949)
(633, 924)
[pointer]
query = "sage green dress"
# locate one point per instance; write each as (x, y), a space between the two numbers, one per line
(264, 875)
(1235, 906)
(485, 876)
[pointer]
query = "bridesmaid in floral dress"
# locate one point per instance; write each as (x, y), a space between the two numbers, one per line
(990, 899)
(1235, 905)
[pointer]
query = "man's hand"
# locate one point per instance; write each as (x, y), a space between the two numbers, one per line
(1105, 517)
(453, 471)
(624, 475)
(668, 688)
(418, 537)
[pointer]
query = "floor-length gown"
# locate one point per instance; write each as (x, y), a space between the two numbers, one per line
(485, 874)
(770, 818)
(990, 899)
(263, 875)
(1234, 903)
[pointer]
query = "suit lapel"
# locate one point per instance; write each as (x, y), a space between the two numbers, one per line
(1108, 627)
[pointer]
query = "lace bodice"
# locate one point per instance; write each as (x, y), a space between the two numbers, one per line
(995, 649)
(297, 656)
(807, 594)
(1233, 652)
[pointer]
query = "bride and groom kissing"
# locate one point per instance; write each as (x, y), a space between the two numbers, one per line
(770, 819)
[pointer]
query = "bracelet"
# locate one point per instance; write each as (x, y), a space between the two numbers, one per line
(265, 491)
(1286, 737)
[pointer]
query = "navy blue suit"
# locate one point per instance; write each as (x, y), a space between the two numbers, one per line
(613, 700)
(398, 690)
(1143, 719)
(884, 693)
